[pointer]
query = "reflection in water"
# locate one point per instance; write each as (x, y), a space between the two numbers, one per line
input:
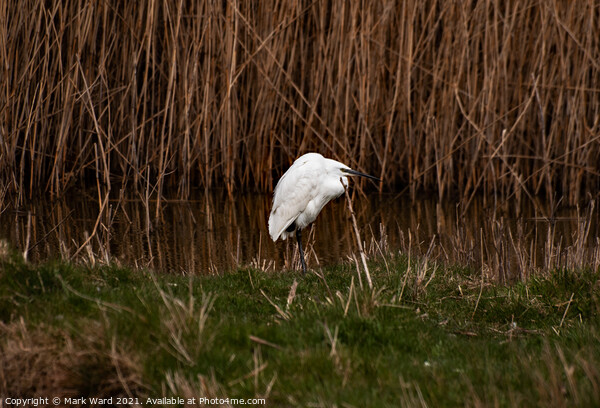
(212, 234)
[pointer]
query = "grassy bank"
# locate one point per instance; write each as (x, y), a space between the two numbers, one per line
(435, 336)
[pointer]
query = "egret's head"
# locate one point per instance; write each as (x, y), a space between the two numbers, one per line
(347, 171)
(337, 171)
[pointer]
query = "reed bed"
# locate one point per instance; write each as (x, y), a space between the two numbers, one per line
(492, 97)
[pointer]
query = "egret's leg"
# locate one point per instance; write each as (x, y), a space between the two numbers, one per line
(299, 238)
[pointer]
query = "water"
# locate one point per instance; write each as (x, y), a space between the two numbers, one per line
(212, 233)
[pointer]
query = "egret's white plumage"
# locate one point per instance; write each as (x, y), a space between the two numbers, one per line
(302, 192)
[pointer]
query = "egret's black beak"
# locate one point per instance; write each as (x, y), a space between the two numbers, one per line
(358, 173)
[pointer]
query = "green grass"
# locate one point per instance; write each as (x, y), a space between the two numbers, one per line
(448, 341)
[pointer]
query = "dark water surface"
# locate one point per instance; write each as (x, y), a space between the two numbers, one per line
(212, 233)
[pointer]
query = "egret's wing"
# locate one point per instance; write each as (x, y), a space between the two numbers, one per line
(292, 194)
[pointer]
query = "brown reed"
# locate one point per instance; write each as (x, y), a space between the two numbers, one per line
(493, 97)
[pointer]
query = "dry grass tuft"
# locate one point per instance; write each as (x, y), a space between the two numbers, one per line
(203, 387)
(49, 361)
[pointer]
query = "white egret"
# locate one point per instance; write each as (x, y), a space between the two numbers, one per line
(301, 193)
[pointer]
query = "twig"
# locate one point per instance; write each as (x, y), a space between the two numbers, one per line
(292, 294)
(282, 313)
(481, 287)
(95, 228)
(363, 257)
(39, 241)
(26, 251)
(265, 342)
(566, 310)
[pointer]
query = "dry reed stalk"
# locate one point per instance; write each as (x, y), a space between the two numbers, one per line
(363, 256)
(28, 236)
